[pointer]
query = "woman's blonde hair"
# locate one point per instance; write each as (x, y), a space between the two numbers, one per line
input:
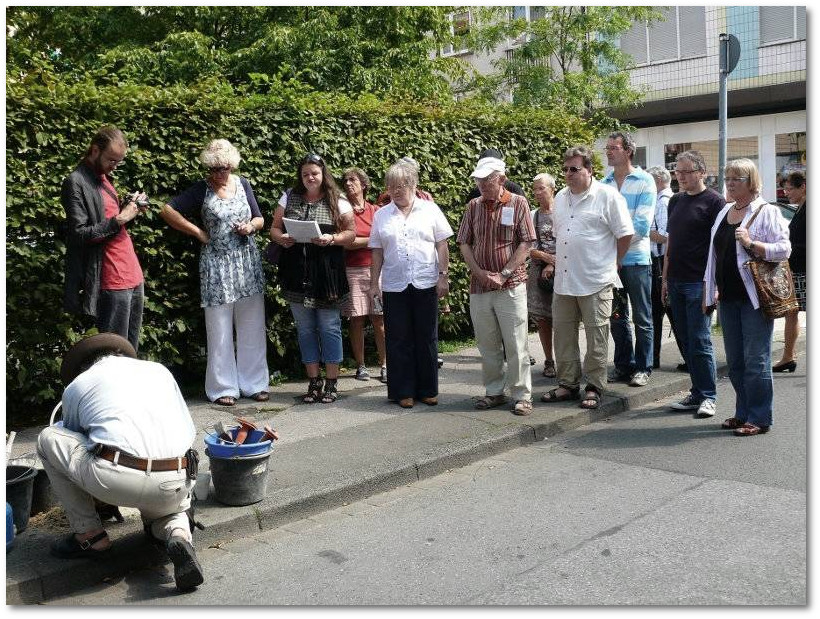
(747, 168)
(220, 153)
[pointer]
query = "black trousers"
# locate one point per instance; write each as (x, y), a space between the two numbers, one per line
(659, 310)
(411, 339)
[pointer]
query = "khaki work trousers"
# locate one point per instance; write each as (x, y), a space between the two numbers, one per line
(567, 313)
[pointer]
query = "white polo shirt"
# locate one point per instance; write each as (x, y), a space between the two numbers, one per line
(587, 228)
(409, 244)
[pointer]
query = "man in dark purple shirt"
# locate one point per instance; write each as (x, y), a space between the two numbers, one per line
(692, 212)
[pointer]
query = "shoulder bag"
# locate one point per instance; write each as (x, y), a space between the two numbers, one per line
(773, 282)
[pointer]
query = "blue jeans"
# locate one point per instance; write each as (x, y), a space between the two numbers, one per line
(319, 332)
(120, 312)
(694, 328)
(637, 281)
(747, 337)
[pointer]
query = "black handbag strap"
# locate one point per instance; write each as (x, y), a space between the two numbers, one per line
(748, 227)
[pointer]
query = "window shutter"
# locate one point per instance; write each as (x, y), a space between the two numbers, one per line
(633, 42)
(663, 37)
(692, 21)
(776, 23)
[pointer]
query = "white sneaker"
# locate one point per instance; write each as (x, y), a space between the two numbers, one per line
(688, 403)
(706, 409)
(639, 379)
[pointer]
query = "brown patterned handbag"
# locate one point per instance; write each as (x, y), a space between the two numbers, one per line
(773, 282)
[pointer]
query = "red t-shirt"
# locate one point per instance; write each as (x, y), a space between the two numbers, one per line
(120, 267)
(364, 222)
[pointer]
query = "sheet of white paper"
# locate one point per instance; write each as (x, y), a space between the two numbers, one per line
(506, 215)
(301, 231)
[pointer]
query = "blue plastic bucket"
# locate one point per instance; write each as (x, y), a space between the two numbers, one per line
(251, 447)
(9, 527)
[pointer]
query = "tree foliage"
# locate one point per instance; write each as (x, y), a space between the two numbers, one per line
(384, 50)
(569, 59)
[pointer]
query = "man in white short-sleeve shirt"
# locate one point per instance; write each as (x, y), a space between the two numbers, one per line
(593, 230)
(125, 440)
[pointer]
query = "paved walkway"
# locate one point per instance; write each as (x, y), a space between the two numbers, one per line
(332, 455)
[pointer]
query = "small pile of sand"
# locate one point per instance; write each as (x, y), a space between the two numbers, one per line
(52, 520)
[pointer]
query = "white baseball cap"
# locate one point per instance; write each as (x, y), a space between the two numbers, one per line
(487, 166)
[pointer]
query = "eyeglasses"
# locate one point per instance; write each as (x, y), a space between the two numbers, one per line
(736, 179)
(218, 169)
(313, 158)
(572, 168)
(397, 188)
(493, 178)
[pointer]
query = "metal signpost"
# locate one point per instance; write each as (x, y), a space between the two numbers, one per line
(729, 55)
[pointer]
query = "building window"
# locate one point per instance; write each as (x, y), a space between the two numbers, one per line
(681, 35)
(459, 28)
(530, 13)
(782, 23)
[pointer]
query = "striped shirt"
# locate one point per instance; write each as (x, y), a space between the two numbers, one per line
(640, 193)
(493, 244)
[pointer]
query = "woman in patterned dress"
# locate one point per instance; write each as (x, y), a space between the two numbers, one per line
(542, 264)
(230, 274)
(312, 275)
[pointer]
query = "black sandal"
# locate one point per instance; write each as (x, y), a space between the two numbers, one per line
(595, 398)
(314, 393)
(331, 393)
(69, 548)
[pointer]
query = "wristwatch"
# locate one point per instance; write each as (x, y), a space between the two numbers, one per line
(505, 273)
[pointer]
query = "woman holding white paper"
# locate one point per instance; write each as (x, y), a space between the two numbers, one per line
(312, 275)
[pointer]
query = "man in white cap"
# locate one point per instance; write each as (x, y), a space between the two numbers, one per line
(495, 237)
(125, 440)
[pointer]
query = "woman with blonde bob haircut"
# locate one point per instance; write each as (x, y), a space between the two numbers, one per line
(409, 273)
(747, 332)
(230, 274)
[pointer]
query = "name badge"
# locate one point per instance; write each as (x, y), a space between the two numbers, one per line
(506, 215)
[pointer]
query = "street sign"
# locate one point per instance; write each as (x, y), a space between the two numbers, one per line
(729, 53)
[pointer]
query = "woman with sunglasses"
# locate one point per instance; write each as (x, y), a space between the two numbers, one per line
(312, 275)
(230, 274)
(747, 332)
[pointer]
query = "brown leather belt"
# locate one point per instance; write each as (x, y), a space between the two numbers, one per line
(142, 464)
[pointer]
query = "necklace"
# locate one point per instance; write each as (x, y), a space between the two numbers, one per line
(737, 208)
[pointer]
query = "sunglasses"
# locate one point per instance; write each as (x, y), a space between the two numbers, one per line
(313, 158)
(572, 168)
(218, 169)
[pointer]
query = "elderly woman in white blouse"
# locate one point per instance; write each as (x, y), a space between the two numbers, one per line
(410, 258)
(747, 332)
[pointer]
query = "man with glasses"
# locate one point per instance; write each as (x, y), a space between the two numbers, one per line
(692, 212)
(495, 238)
(593, 230)
(638, 189)
(103, 275)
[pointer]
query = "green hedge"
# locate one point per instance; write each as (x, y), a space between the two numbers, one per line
(49, 126)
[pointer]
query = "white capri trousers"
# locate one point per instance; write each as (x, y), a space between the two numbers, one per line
(78, 476)
(242, 371)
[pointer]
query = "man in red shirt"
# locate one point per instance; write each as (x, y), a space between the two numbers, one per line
(103, 275)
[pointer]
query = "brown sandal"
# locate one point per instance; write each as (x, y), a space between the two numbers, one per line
(225, 400)
(750, 429)
(549, 369)
(733, 423)
(262, 396)
(490, 401)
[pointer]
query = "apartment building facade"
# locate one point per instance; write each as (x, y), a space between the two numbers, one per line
(676, 65)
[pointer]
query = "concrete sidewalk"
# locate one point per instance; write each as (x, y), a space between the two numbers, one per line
(330, 455)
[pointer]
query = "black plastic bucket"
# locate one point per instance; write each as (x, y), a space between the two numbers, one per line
(239, 480)
(19, 489)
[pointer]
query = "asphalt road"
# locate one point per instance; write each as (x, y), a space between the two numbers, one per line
(651, 507)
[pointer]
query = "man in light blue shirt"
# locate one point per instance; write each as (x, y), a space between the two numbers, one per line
(638, 189)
